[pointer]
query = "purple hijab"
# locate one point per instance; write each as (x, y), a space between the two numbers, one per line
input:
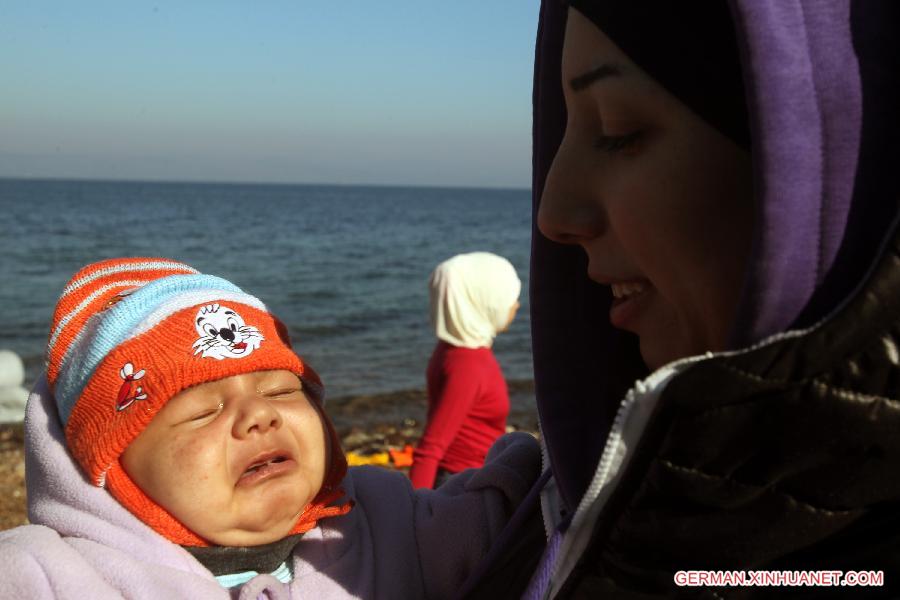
(820, 80)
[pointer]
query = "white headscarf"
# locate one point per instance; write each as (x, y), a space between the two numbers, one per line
(471, 296)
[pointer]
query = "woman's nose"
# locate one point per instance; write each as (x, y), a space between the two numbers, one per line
(571, 210)
(256, 415)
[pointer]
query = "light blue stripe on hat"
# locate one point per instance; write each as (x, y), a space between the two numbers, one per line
(104, 331)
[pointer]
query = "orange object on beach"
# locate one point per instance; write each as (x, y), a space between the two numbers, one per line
(355, 459)
(402, 458)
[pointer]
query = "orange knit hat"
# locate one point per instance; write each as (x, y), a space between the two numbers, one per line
(130, 333)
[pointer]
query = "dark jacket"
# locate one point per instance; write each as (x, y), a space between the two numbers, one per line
(782, 457)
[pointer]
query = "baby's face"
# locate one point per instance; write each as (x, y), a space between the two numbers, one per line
(235, 460)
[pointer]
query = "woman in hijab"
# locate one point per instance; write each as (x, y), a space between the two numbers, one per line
(474, 297)
(715, 300)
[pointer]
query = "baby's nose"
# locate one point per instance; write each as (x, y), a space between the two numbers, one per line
(227, 334)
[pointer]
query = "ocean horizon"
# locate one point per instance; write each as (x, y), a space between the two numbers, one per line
(344, 266)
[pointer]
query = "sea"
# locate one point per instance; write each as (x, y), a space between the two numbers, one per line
(345, 267)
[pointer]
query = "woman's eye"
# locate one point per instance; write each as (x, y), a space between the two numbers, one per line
(616, 143)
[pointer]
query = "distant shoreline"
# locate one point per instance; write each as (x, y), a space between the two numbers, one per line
(409, 407)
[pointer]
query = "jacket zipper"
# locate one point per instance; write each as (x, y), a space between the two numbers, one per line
(604, 472)
(607, 467)
(549, 526)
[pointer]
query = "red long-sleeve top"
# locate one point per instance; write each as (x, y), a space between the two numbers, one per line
(468, 403)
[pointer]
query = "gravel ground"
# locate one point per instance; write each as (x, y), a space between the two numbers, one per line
(377, 438)
(365, 424)
(12, 477)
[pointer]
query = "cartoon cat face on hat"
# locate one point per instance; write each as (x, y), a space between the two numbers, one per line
(223, 333)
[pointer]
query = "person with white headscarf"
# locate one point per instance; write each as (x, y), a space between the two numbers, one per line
(474, 297)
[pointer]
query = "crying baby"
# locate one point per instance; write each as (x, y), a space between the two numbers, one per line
(181, 396)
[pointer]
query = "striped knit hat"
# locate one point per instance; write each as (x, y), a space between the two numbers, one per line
(130, 333)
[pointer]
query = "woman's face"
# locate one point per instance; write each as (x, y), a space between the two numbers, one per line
(659, 200)
(512, 316)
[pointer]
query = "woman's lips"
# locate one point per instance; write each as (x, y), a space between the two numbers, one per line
(629, 299)
(265, 468)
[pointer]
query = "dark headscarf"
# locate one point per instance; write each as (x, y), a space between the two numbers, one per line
(821, 92)
(700, 64)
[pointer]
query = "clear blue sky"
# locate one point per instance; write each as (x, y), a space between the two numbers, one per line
(423, 92)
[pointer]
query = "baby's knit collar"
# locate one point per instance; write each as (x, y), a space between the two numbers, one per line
(223, 560)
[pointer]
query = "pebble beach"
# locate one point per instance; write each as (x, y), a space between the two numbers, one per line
(368, 425)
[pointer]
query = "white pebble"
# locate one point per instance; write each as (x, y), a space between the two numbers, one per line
(12, 370)
(12, 404)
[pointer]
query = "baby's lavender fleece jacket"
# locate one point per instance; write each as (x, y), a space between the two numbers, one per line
(395, 543)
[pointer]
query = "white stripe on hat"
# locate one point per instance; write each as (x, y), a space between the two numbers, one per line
(127, 268)
(84, 303)
(192, 298)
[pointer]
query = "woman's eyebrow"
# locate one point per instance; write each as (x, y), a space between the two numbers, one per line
(594, 75)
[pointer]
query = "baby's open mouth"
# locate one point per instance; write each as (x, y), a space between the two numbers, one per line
(259, 465)
(264, 468)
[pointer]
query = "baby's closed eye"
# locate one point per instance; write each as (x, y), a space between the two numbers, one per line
(284, 393)
(199, 414)
(206, 413)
